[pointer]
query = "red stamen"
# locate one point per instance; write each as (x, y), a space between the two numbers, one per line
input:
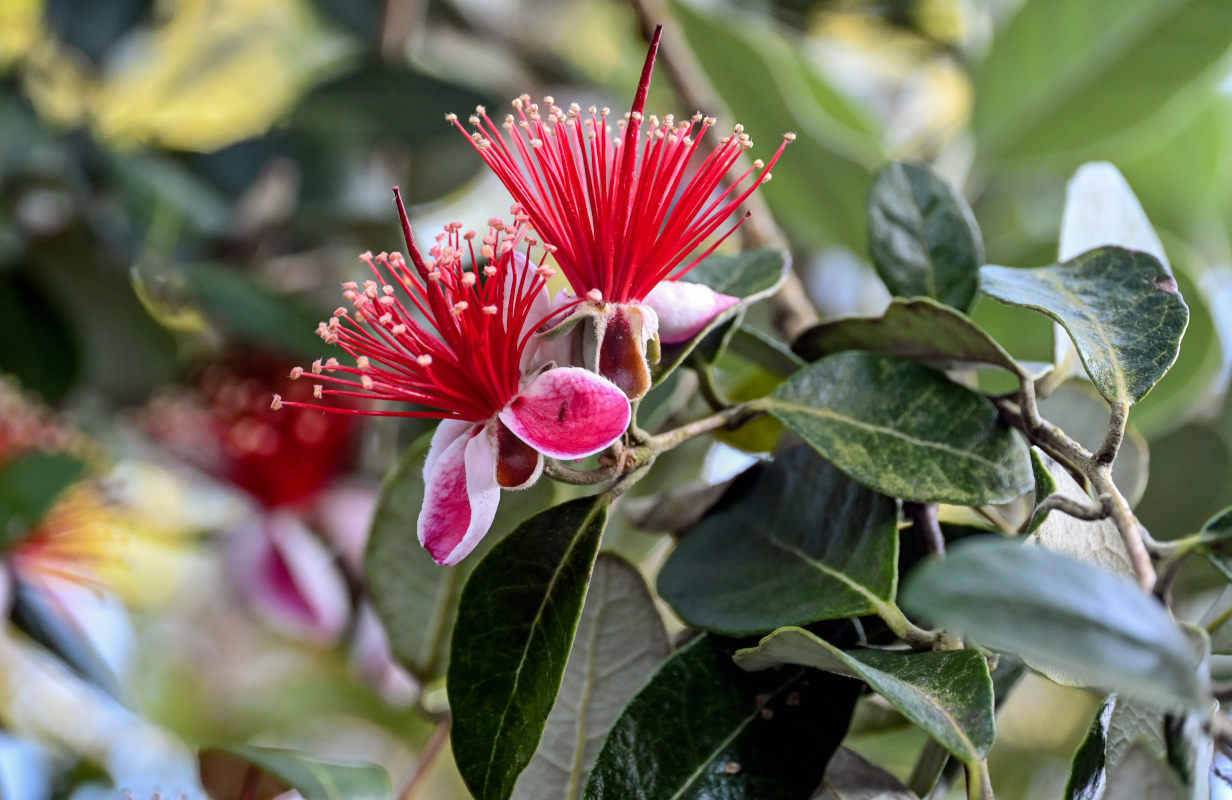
(455, 348)
(623, 212)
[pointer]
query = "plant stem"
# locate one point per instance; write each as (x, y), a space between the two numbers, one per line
(923, 518)
(1096, 468)
(979, 784)
(916, 637)
(418, 776)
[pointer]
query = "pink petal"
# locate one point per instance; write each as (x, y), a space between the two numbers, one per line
(685, 308)
(520, 274)
(372, 658)
(460, 494)
(568, 413)
(345, 516)
(446, 431)
(290, 578)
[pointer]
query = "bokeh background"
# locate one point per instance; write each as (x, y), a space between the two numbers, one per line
(184, 183)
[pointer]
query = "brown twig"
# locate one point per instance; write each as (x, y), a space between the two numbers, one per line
(418, 776)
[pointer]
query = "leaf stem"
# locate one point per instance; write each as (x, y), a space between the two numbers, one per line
(928, 767)
(979, 783)
(418, 776)
(916, 637)
(1096, 468)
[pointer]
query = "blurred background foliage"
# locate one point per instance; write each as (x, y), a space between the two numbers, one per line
(181, 178)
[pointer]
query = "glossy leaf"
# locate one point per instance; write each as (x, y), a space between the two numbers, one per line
(415, 598)
(1058, 74)
(761, 348)
(750, 276)
(850, 777)
(620, 640)
(922, 236)
(1088, 776)
(703, 728)
(1121, 308)
(920, 328)
(1060, 613)
(316, 779)
(515, 626)
(792, 542)
(29, 486)
(948, 693)
(904, 430)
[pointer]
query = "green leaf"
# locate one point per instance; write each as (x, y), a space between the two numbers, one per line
(1045, 484)
(29, 486)
(850, 777)
(921, 329)
(316, 779)
(46, 357)
(1217, 541)
(1058, 74)
(1121, 308)
(759, 347)
(1142, 774)
(414, 597)
(703, 728)
(620, 640)
(948, 693)
(750, 276)
(922, 236)
(1060, 613)
(253, 313)
(771, 88)
(904, 430)
(516, 621)
(1087, 775)
(1094, 541)
(792, 542)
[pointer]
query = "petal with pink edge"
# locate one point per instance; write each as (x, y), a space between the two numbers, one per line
(568, 413)
(460, 495)
(520, 275)
(685, 308)
(290, 578)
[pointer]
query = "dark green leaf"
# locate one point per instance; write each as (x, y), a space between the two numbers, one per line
(1062, 614)
(948, 693)
(620, 640)
(850, 777)
(1045, 484)
(793, 542)
(904, 430)
(1121, 308)
(29, 486)
(316, 779)
(703, 728)
(1087, 774)
(253, 313)
(921, 329)
(416, 598)
(46, 357)
(771, 88)
(1142, 774)
(749, 276)
(923, 237)
(761, 348)
(1217, 541)
(1058, 74)
(516, 621)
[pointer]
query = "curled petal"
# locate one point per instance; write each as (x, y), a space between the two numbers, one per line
(568, 413)
(685, 308)
(460, 493)
(290, 579)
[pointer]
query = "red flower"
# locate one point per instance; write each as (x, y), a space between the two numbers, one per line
(466, 365)
(628, 215)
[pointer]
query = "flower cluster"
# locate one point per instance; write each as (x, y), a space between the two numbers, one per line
(469, 334)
